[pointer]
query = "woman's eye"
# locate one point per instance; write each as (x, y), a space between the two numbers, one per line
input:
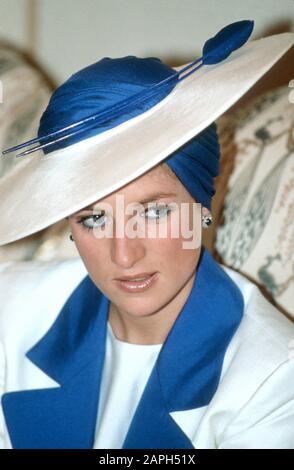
(157, 212)
(87, 221)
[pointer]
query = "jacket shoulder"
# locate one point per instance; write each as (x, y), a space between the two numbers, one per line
(264, 328)
(260, 348)
(254, 399)
(28, 288)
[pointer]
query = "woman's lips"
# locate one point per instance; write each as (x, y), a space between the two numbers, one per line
(137, 286)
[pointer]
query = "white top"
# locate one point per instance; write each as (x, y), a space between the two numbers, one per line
(126, 370)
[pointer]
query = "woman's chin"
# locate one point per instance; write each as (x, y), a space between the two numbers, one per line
(138, 308)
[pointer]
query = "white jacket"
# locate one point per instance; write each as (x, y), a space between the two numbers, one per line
(49, 396)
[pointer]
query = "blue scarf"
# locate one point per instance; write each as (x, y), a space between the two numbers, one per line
(185, 376)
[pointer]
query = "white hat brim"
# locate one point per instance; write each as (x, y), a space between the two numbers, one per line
(40, 190)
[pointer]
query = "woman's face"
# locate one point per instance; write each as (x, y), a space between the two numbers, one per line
(111, 257)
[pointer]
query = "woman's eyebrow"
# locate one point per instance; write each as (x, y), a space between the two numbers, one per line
(149, 198)
(157, 195)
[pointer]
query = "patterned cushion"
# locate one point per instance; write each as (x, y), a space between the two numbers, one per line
(25, 94)
(257, 233)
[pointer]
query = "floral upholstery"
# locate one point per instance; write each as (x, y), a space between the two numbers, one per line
(257, 233)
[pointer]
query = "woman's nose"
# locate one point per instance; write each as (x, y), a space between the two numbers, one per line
(126, 251)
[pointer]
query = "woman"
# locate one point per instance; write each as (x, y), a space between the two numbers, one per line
(146, 342)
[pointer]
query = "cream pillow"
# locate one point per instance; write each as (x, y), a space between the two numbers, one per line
(24, 94)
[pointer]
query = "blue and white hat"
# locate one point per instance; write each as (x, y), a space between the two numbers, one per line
(117, 118)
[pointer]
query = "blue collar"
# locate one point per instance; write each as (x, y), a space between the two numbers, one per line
(185, 376)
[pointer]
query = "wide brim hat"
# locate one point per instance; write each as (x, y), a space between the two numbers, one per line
(40, 189)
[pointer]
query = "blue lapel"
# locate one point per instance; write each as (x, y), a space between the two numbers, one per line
(185, 375)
